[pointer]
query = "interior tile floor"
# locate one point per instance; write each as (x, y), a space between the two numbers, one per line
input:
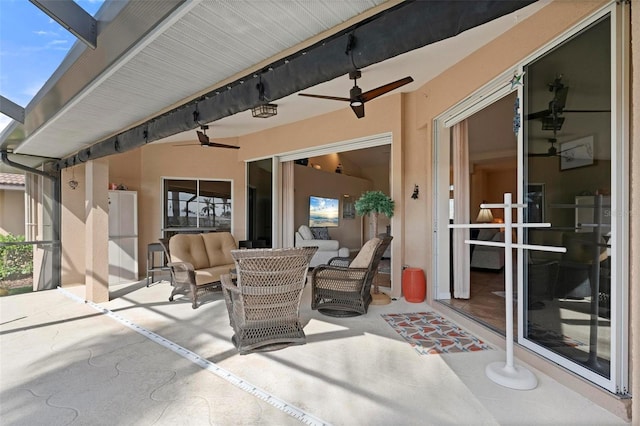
(64, 361)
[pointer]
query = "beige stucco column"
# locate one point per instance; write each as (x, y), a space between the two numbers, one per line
(97, 231)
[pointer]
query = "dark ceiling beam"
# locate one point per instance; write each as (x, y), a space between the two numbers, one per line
(407, 26)
(72, 17)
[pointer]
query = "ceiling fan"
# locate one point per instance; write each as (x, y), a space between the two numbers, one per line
(357, 98)
(204, 140)
(553, 151)
(551, 117)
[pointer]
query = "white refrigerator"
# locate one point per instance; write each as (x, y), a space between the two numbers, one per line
(123, 237)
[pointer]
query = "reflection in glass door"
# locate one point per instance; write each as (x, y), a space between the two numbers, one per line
(260, 201)
(568, 182)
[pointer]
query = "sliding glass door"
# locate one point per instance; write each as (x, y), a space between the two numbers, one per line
(568, 114)
(568, 162)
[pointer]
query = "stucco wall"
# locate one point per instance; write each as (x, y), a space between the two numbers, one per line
(309, 181)
(73, 227)
(12, 212)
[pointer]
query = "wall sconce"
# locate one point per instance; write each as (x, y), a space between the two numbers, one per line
(416, 191)
(73, 183)
(484, 215)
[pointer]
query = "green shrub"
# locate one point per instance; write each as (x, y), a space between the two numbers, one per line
(15, 260)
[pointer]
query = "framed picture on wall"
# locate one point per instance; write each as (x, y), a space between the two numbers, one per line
(323, 211)
(348, 207)
(535, 203)
(577, 153)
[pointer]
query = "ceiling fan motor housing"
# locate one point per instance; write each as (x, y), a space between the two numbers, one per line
(355, 95)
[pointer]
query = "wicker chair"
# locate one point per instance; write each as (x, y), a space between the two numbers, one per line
(263, 297)
(343, 288)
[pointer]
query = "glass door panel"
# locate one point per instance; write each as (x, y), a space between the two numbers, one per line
(568, 182)
(260, 202)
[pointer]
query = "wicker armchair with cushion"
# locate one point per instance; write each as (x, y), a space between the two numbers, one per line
(263, 297)
(343, 288)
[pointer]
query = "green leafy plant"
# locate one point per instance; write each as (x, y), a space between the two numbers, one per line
(15, 260)
(375, 202)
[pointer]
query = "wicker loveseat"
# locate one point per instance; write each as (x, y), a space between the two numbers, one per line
(198, 261)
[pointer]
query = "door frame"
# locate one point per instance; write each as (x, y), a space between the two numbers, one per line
(500, 86)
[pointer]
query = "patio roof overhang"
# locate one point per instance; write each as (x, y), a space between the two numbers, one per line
(149, 87)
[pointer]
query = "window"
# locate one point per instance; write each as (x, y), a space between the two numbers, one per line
(196, 205)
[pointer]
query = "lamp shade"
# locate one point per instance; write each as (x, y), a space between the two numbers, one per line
(484, 216)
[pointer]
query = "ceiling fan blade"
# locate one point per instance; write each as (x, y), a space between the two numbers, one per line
(540, 114)
(205, 141)
(203, 138)
(586, 110)
(540, 154)
(221, 145)
(331, 98)
(359, 110)
(379, 91)
(572, 148)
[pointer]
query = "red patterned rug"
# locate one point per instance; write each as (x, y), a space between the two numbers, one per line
(429, 333)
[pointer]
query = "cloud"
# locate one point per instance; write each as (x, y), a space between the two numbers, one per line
(46, 33)
(54, 42)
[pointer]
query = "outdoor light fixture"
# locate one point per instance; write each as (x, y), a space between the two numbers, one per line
(265, 109)
(73, 183)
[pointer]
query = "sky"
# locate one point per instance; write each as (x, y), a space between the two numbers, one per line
(32, 46)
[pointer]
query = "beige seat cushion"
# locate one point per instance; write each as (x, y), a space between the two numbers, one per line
(189, 248)
(213, 274)
(218, 246)
(364, 257)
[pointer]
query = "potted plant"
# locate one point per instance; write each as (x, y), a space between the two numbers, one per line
(374, 203)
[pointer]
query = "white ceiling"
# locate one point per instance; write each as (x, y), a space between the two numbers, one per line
(205, 43)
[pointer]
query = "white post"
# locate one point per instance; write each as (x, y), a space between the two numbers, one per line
(508, 278)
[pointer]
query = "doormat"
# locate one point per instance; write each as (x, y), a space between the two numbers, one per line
(550, 338)
(429, 333)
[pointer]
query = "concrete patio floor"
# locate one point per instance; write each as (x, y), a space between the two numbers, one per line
(68, 362)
